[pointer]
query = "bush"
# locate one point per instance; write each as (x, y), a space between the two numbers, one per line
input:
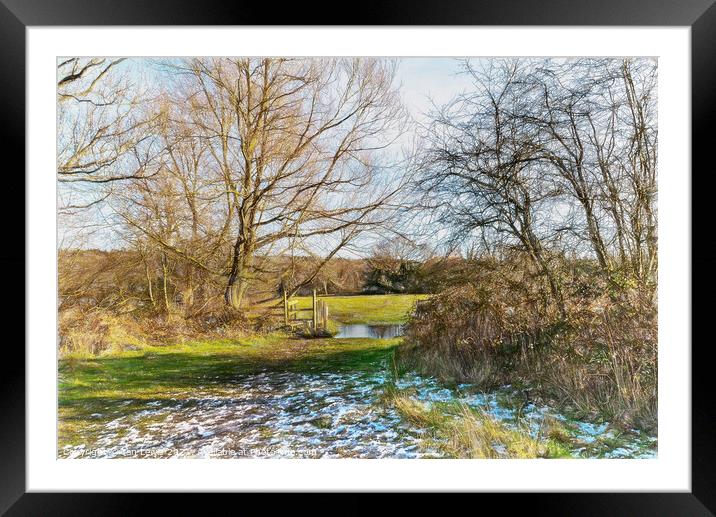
(95, 331)
(601, 361)
(606, 363)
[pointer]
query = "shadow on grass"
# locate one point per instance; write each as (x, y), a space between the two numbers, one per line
(176, 374)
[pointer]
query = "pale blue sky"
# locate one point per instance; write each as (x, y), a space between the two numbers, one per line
(421, 80)
(426, 78)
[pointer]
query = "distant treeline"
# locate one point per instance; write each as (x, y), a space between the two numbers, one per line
(129, 280)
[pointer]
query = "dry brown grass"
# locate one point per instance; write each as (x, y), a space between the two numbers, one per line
(475, 435)
(600, 362)
(464, 432)
(94, 331)
(607, 363)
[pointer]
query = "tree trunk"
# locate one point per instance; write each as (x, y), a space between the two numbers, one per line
(149, 285)
(241, 263)
(165, 274)
(234, 292)
(534, 249)
(238, 282)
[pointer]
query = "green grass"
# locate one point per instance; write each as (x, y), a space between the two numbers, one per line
(378, 308)
(157, 371)
(121, 382)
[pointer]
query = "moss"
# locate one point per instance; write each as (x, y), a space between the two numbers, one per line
(323, 422)
(556, 431)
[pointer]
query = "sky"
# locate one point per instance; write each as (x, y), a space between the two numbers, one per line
(421, 81)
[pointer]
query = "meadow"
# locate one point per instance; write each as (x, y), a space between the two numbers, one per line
(369, 309)
(349, 395)
(489, 290)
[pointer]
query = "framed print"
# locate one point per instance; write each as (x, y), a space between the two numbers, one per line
(435, 250)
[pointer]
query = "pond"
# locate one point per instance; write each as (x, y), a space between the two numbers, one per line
(374, 331)
(307, 413)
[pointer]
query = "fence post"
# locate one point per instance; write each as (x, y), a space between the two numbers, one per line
(285, 308)
(315, 313)
(324, 314)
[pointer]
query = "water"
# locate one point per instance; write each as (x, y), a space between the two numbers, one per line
(311, 414)
(370, 331)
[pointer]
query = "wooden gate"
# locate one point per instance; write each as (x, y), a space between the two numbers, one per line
(318, 310)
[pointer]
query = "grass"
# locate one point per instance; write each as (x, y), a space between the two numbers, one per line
(376, 309)
(465, 432)
(123, 379)
(598, 364)
(157, 371)
(127, 376)
(119, 382)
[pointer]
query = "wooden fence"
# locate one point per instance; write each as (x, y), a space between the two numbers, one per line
(318, 310)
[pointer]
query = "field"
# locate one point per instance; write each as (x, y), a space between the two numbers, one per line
(119, 382)
(282, 394)
(377, 309)
(149, 371)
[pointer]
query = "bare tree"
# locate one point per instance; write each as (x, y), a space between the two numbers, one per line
(551, 156)
(481, 170)
(597, 124)
(271, 156)
(104, 131)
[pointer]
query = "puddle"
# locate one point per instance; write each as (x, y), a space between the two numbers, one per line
(370, 331)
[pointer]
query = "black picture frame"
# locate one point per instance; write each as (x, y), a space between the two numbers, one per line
(17, 15)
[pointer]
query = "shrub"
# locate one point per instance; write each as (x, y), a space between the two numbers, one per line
(600, 361)
(475, 334)
(607, 362)
(95, 331)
